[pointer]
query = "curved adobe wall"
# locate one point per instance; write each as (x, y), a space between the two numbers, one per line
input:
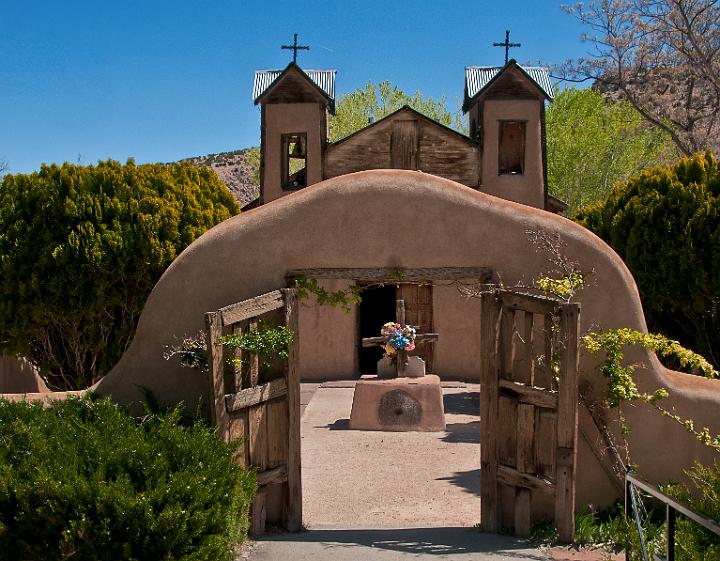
(346, 222)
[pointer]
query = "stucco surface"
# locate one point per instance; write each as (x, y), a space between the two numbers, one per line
(17, 375)
(405, 219)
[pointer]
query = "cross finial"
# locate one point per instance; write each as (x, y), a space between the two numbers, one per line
(295, 48)
(507, 44)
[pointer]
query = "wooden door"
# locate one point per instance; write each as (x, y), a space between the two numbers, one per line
(419, 313)
(265, 416)
(528, 411)
(404, 144)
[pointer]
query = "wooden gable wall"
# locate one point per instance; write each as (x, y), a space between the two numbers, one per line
(406, 140)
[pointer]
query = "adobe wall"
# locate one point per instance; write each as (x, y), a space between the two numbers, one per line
(528, 187)
(348, 222)
(286, 118)
(17, 375)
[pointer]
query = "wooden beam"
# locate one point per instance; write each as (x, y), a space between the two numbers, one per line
(270, 476)
(251, 308)
(529, 302)
(567, 422)
(256, 395)
(213, 325)
(489, 499)
(292, 513)
(379, 341)
(529, 394)
(511, 476)
(397, 275)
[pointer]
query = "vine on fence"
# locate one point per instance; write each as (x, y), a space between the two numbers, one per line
(266, 340)
(622, 387)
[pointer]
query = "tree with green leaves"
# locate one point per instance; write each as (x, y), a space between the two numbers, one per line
(593, 143)
(372, 102)
(665, 224)
(81, 247)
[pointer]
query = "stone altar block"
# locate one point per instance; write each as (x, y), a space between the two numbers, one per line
(398, 404)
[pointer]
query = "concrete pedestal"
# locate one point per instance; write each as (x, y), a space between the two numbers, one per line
(398, 404)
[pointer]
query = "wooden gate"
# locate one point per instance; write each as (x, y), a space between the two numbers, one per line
(528, 410)
(262, 408)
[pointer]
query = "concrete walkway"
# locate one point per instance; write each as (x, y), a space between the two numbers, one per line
(383, 496)
(447, 544)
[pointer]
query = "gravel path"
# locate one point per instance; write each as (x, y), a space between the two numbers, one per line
(370, 479)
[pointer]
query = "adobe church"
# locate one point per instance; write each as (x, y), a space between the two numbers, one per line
(504, 156)
(406, 208)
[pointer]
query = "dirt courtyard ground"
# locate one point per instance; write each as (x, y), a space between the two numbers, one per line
(369, 479)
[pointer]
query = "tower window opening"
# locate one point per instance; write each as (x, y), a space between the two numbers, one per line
(294, 161)
(511, 148)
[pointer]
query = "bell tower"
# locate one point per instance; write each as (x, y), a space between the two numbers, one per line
(294, 109)
(506, 107)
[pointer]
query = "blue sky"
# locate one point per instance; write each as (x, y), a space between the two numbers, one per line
(160, 80)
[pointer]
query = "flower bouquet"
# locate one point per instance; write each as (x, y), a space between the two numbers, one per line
(397, 338)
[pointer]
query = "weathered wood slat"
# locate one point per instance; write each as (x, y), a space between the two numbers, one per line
(507, 343)
(271, 476)
(292, 513)
(567, 419)
(545, 443)
(213, 323)
(258, 436)
(489, 502)
(507, 430)
(277, 432)
(389, 275)
(238, 430)
(258, 394)
(254, 367)
(511, 476)
(258, 514)
(529, 394)
(525, 464)
(529, 302)
(523, 368)
(251, 308)
(237, 330)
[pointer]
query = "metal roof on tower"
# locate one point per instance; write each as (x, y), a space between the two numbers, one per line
(323, 79)
(478, 77)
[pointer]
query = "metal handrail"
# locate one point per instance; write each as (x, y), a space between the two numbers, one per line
(671, 508)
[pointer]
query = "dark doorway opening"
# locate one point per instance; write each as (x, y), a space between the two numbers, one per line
(376, 308)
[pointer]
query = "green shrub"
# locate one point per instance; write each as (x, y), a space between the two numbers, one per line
(85, 481)
(81, 247)
(692, 541)
(665, 224)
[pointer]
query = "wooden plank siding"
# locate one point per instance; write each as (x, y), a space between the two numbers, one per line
(406, 140)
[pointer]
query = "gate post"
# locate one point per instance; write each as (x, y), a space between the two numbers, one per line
(489, 505)
(293, 507)
(567, 422)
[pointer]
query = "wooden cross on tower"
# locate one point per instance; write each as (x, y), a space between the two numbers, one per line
(507, 44)
(295, 48)
(402, 355)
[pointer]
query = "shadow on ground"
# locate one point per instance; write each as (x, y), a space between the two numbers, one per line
(467, 480)
(418, 542)
(464, 403)
(462, 432)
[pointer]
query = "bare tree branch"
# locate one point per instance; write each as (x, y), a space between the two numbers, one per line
(663, 56)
